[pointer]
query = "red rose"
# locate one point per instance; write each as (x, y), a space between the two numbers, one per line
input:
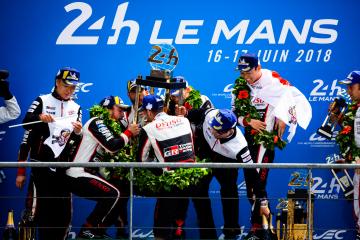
(346, 130)
(187, 106)
(253, 132)
(276, 139)
(243, 94)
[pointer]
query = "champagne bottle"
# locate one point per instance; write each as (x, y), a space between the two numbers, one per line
(10, 231)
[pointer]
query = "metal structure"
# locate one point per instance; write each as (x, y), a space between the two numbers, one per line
(132, 165)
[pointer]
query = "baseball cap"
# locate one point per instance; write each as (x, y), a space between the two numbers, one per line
(131, 85)
(178, 79)
(110, 101)
(223, 120)
(152, 102)
(352, 78)
(247, 62)
(70, 76)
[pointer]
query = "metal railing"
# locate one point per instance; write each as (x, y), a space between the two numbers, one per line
(132, 165)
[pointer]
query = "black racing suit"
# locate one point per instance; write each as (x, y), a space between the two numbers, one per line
(87, 185)
(49, 143)
(170, 138)
(231, 150)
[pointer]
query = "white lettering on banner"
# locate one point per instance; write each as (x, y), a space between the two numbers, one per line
(325, 190)
(139, 233)
(331, 234)
(119, 23)
(316, 137)
(82, 87)
(315, 31)
(315, 140)
(274, 55)
(326, 92)
(2, 134)
(66, 36)
(242, 26)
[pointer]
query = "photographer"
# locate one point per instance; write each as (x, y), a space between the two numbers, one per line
(11, 110)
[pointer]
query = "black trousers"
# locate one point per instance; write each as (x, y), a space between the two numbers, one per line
(227, 179)
(121, 221)
(268, 157)
(53, 204)
(96, 189)
(199, 195)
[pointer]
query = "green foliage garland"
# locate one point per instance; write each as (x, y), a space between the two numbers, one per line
(243, 108)
(193, 100)
(145, 181)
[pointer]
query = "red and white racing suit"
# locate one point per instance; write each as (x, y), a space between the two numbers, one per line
(258, 152)
(87, 185)
(170, 139)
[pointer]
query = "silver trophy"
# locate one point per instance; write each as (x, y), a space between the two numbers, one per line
(336, 110)
(163, 59)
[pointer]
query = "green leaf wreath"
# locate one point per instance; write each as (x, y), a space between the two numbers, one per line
(243, 108)
(346, 138)
(193, 100)
(145, 181)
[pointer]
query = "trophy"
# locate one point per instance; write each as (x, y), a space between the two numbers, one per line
(294, 218)
(336, 109)
(342, 176)
(163, 59)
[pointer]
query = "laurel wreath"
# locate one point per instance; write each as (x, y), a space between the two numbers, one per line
(146, 182)
(243, 108)
(346, 138)
(193, 100)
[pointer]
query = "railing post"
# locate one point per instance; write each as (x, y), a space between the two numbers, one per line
(131, 203)
(309, 208)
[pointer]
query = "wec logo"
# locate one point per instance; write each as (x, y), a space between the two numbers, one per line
(317, 138)
(331, 234)
(228, 88)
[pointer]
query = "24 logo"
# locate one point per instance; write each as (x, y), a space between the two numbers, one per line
(323, 92)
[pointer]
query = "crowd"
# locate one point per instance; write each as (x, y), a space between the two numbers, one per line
(181, 130)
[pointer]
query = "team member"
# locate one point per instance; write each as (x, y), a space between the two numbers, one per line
(201, 198)
(97, 134)
(57, 113)
(278, 104)
(202, 101)
(122, 184)
(131, 89)
(170, 138)
(221, 141)
(353, 88)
